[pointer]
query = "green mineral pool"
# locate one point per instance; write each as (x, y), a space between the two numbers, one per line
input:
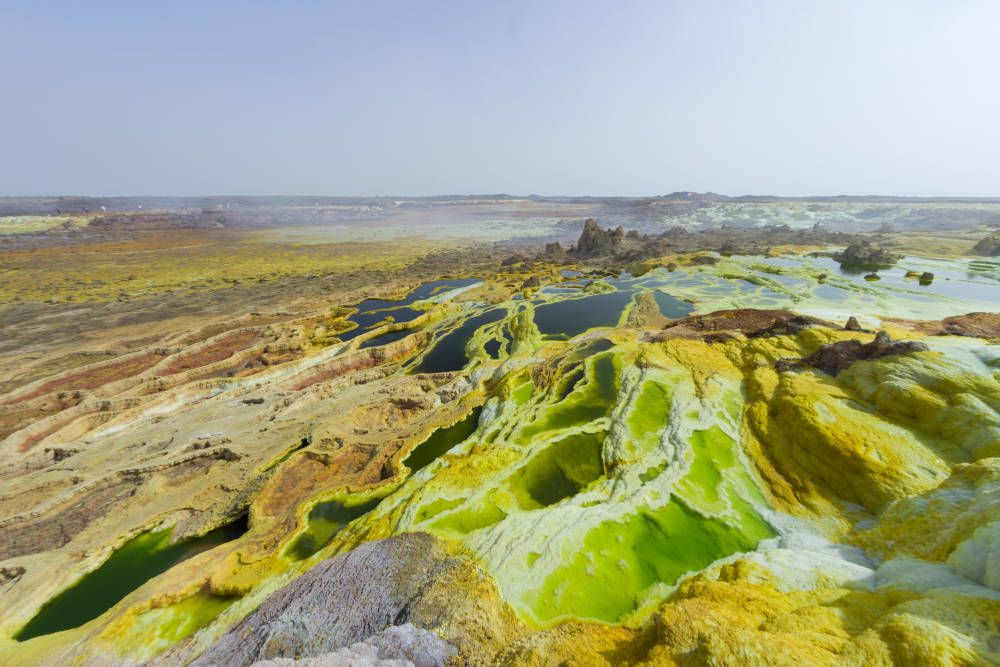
(130, 566)
(441, 441)
(326, 520)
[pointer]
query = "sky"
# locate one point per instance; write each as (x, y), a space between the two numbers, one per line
(555, 98)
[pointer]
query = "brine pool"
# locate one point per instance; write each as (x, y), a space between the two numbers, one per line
(134, 563)
(815, 286)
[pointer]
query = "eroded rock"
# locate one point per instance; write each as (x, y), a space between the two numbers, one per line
(595, 242)
(750, 322)
(554, 252)
(988, 246)
(865, 254)
(837, 357)
(977, 325)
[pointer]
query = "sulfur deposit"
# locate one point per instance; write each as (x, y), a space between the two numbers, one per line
(577, 462)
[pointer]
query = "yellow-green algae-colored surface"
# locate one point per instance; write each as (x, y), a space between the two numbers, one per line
(33, 224)
(592, 499)
(157, 628)
(613, 480)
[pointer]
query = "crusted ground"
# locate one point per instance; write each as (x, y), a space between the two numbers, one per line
(527, 459)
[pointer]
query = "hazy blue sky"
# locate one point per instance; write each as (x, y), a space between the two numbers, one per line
(471, 97)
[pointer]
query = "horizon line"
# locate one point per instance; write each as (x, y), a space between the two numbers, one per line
(497, 195)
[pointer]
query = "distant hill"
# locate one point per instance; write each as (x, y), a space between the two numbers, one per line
(55, 205)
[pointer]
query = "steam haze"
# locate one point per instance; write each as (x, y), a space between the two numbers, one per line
(631, 98)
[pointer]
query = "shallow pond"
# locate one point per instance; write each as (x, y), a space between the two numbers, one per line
(448, 353)
(386, 338)
(326, 520)
(954, 279)
(441, 441)
(130, 566)
(671, 307)
(570, 317)
(372, 311)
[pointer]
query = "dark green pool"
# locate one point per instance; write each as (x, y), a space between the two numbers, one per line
(448, 354)
(441, 441)
(570, 317)
(326, 520)
(130, 566)
(372, 311)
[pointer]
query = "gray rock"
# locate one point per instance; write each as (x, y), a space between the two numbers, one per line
(554, 251)
(513, 260)
(988, 246)
(866, 255)
(347, 600)
(396, 646)
(595, 241)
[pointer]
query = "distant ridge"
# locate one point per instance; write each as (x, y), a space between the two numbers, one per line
(51, 205)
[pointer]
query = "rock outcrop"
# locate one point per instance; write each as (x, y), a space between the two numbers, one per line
(988, 246)
(751, 322)
(396, 646)
(554, 252)
(864, 254)
(977, 325)
(597, 242)
(837, 357)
